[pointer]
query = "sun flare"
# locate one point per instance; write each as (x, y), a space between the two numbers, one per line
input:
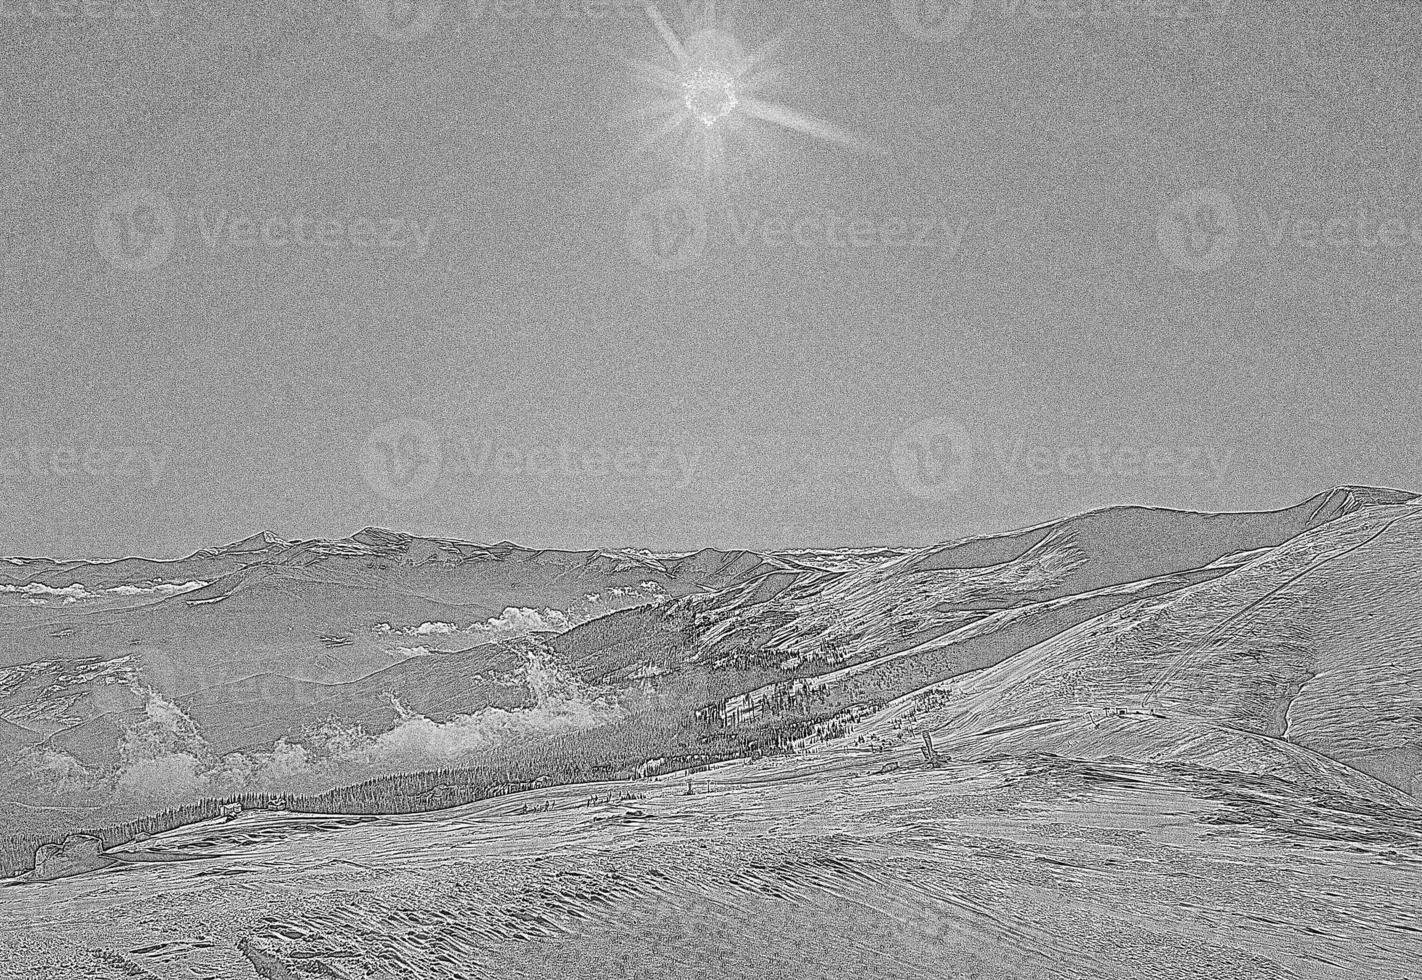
(709, 87)
(710, 95)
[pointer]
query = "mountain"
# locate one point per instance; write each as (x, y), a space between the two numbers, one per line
(1269, 660)
(1027, 753)
(277, 629)
(1304, 661)
(267, 604)
(876, 632)
(119, 667)
(1285, 642)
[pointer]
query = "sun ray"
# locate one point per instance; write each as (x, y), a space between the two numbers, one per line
(662, 113)
(669, 126)
(763, 53)
(801, 122)
(669, 37)
(760, 80)
(656, 74)
(694, 19)
(715, 157)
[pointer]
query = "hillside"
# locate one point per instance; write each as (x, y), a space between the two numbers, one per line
(1304, 661)
(1279, 644)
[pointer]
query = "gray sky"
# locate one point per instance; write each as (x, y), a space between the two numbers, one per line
(997, 315)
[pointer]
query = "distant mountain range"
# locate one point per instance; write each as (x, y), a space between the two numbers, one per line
(1282, 642)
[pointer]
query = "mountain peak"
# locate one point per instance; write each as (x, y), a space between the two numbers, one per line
(379, 535)
(257, 542)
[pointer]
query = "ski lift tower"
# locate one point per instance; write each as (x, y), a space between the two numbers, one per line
(930, 754)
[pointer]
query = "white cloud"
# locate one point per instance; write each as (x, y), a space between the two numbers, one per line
(165, 758)
(159, 588)
(69, 593)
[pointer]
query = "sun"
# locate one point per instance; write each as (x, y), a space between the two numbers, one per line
(710, 94)
(708, 89)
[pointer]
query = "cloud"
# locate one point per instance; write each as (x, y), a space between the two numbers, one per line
(516, 621)
(165, 758)
(512, 622)
(58, 772)
(162, 756)
(159, 588)
(165, 778)
(40, 591)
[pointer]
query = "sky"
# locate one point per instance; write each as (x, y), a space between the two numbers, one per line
(310, 268)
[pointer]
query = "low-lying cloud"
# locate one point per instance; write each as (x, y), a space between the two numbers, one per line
(165, 760)
(517, 622)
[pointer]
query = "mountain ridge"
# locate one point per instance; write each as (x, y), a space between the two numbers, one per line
(1343, 497)
(301, 666)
